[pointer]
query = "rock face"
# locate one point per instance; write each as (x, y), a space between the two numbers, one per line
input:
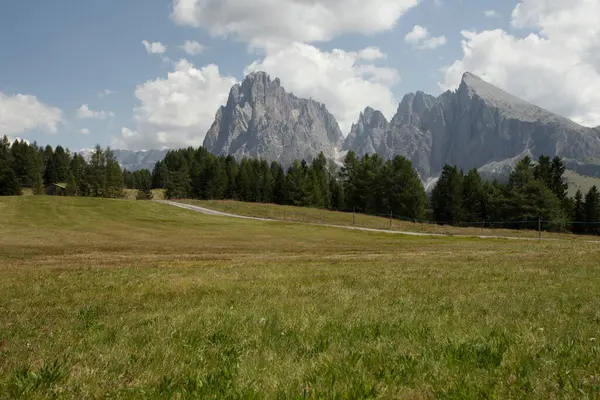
(477, 126)
(262, 120)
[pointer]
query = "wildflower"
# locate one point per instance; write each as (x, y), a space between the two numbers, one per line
(262, 321)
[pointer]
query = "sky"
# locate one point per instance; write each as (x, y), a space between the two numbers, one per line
(141, 74)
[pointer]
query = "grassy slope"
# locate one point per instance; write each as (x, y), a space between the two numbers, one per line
(312, 215)
(108, 298)
(582, 182)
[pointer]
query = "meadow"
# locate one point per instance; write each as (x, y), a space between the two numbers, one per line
(384, 222)
(129, 299)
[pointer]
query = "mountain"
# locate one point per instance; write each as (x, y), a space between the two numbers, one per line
(262, 120)
(476, 126)
(133, 160)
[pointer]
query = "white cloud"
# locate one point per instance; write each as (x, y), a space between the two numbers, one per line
(178, 110)
(192, 47)
(85, 131)
(105, 92)
(336, 78)
(557, 68)
(420, 38)
(20, 113)
(371, 53)
(154, 47)
(491, 13)
(84, 112)
(263, 23)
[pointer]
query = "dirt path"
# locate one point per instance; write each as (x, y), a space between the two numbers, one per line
(208, 211)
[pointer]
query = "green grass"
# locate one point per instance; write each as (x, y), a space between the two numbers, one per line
(317, 216)
(581, 182)
(122, 299)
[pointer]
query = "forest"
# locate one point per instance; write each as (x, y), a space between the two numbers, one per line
(534, 194)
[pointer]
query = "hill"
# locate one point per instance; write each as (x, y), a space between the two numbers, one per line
(124, 299)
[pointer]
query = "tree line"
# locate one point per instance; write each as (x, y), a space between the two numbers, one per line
(534, 191)
(368, 185)
(25, 165)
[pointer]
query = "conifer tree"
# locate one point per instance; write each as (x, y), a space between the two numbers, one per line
(578, 213)
(71, 189)
(144, 184)
(447, 196)
(592, 210)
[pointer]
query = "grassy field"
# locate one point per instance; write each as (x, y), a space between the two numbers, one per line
(128, 299)
(316, 216)
(581, 182)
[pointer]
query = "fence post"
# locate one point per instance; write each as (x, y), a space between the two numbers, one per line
(353, 216)
(390, 220)
(540, 228)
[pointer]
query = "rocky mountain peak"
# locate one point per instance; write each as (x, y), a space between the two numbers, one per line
(262, 120)
(477, 125)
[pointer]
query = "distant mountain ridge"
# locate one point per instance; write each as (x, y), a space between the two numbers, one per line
(133, 160)
(476, 126)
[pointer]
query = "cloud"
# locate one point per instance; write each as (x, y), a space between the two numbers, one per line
(84, 112)
(264, 23)
(192, 47)
(556, 67)
(20, 113)
(420, 38)
(371, 53)
(85, 131)
(338, 79)
(491, 13)
(105, 92)
(176, 111)
(154, 47)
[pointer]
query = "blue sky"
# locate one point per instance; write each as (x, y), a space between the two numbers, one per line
(57, 56)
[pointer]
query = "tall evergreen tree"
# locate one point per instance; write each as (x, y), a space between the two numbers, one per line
(9, 182)
(114, 177)
(592, 210)
(579, 212)
(144, 185)
(447, 196)
(278, 175)
(403, 190)
(473, 197)
(71, 189)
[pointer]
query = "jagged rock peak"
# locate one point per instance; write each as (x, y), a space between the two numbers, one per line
(262, 120)
(371, 116)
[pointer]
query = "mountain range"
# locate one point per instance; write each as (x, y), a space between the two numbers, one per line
(476, 126)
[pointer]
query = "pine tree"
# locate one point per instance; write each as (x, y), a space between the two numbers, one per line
(472, 196)
(447, 196)
(178, 185)
(592, 210)
(144, 184)
(404, 194)
(578, 213)
(278, 183)
(113, 180)
(558, 183)
(522, 174)
(349, 177)
(9, 182)
(71, 189)
(50, 168)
